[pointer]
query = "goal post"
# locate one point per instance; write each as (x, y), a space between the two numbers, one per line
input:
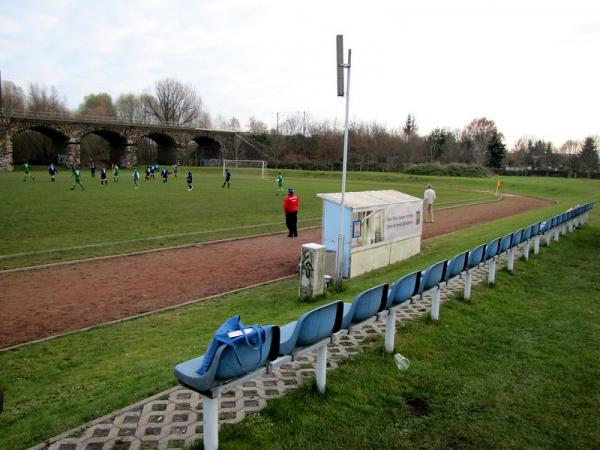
(246, 167)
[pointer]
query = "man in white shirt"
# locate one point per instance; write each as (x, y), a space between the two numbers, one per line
(428, 199)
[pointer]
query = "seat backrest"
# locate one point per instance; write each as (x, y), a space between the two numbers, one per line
(526, 233)
(456, 265)
(553, 222)
(505, 243)
(516, 238)
(368, 303)
(475, 256)
(320, 323)
(432, 276)
(535, 229)
(251, 358)
(491, 250)
(403, 289)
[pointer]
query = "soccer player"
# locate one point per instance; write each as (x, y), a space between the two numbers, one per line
(77, 175)
(147, 172)
(52, 172)
(103, 180)
(152, 170)
(227, 178)
(290, 208)
(93, 168)
(116, 171)
(136, 178)
(279, 181)
(175, 170)
(27, 170)
(165, 175)
(189, 180)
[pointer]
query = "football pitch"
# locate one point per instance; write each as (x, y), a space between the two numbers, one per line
(47, 222)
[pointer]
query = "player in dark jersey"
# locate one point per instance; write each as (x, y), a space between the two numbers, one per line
(52, 171)
(189, 180)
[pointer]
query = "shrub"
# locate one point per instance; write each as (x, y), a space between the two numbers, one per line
(452, 170)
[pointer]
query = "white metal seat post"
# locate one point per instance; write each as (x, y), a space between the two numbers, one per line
(526, 250)
(547, 236)
(210, 417)
(468, 280)
(556, 233)
(435, 303)
(492, 270)
(510, 264)
(321, 368)
(536, 245)
(390, 330)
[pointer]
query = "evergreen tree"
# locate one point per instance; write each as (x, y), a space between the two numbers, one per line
(588, 156)
(496, 150)
(410, 127)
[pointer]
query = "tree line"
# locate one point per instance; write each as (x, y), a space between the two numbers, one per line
(302, 142)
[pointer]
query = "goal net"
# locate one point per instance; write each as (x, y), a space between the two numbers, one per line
(246, 167)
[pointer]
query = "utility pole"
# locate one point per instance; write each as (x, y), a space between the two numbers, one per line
(339, 256)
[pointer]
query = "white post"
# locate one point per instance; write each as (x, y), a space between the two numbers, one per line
(536, 245)
(210, 417)
(467, 293)
(339, 260)
(435, 304)
(526, 252)
(548, 235)
(556, 234)
(510, 265)
(390, 330)
(492, 271)
(321, 368)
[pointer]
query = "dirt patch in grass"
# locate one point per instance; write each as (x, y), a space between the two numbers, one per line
(42, 302)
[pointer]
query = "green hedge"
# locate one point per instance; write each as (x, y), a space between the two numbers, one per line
(452, 170)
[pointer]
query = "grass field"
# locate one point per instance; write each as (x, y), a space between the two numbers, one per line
(46, 222)
(517, 368)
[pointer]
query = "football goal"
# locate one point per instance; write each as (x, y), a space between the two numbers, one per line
(246, 167)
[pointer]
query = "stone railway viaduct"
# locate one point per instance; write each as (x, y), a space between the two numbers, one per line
(172, 142)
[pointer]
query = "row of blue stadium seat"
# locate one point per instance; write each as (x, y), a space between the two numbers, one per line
(317, 328)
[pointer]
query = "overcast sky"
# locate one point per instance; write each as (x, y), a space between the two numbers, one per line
(531, 66)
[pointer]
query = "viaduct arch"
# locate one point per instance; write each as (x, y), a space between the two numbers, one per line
(123, 139)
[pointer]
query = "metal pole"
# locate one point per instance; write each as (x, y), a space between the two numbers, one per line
(340, 246)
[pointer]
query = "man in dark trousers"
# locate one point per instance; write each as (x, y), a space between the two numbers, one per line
(290, 208)
(227, 178)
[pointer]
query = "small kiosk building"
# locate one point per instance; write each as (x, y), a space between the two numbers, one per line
(381, 228)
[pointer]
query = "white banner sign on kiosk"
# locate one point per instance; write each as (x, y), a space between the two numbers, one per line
(380, 228)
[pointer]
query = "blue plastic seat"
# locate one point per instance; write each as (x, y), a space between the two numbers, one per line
(527, 233)
(403, 289)
(456, 266)
(535, 229)
(432, 276)
(491, 249)
(516, 238)
(225, 365)
(505, 243)
(311, 327)
(475, 256)
(365, 305)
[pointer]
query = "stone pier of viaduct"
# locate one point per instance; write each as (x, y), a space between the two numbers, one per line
(66, 134)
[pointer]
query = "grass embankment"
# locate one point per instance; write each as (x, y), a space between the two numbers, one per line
(60, 384)
(46, 222)
(518, 367)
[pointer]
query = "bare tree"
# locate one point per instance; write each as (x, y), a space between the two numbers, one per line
(13, 97)
(130, 107)
(234, 124)
(570, 149)
(41, 99)
(477, 136)
(256, 126)
(173, 102)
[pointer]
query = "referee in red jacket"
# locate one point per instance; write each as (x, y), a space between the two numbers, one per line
(290, 208)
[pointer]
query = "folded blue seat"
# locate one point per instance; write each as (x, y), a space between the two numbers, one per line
(228, 362)
(311, 327)
(365, 305)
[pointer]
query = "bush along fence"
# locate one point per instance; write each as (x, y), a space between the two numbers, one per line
(239, 354)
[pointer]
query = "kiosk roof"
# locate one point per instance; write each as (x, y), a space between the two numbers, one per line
(367, 199)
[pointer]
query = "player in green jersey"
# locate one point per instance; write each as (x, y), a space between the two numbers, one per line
(27, 170)
(116, 171)
(136, 178)
(279, 181)
(77, 175)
